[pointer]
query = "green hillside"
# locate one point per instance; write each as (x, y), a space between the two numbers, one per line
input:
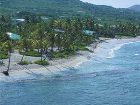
(43, 6)
(67, 8)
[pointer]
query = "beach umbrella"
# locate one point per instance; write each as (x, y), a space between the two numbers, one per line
(13, 36)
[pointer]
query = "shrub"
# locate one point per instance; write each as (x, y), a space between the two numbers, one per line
(3, 55)
(83, 48)
(59, 55)
(63, 54)
(43, 62)
(31, 53)
(24, 63)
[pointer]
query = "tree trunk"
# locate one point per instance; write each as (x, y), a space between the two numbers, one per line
(22, 58)
(8, 68)
(9, 62)
(41, 50)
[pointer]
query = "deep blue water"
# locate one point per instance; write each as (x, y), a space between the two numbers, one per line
(101, 81)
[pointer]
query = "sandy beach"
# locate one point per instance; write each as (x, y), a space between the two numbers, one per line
(111, 45)
(33, 71)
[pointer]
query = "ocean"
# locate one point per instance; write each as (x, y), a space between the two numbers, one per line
(104, 80)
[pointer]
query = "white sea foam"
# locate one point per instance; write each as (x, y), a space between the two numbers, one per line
(112, 51)
(80, 63)
(136, 54)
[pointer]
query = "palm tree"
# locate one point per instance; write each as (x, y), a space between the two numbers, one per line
(9, 48)
(51, 34)
(39, 36)
(25, 43)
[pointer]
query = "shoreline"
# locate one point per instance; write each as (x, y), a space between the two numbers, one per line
(109, 46)
(34, 71)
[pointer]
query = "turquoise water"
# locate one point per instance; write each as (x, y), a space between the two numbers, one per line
(101, 81)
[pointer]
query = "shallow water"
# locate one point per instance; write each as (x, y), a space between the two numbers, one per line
(101, 81)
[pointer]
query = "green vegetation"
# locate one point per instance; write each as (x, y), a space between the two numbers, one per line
(24, 63)
(31, 53)
(3, 55)
(60, 37)
(64, 33)
(63, 54)
(66, 8)
(43, 62)
(82, 48)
